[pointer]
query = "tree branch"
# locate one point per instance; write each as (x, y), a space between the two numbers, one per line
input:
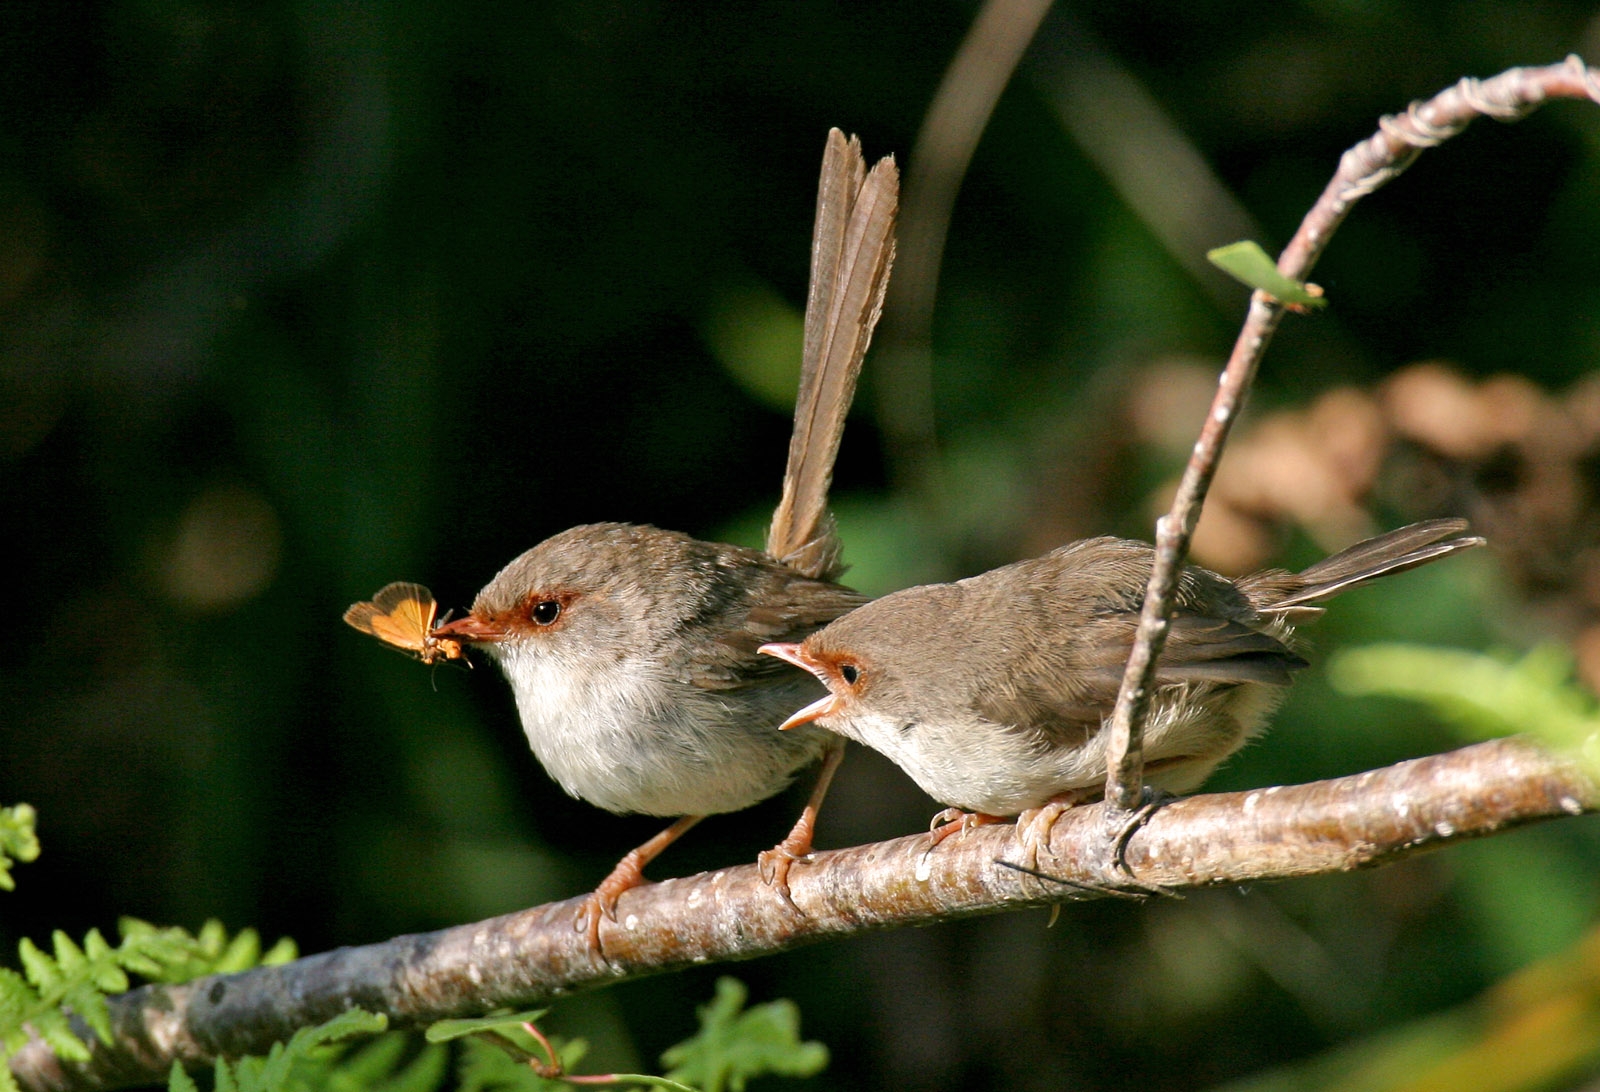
(528, 958)
(1366, 167)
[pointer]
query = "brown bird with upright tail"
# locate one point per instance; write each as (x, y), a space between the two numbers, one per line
(994, 692)
(632, 650)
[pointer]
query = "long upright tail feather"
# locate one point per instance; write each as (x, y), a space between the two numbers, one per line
(852, 248)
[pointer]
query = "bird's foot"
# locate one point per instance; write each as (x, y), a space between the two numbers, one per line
(1106, 870)
(948, 824)
(953, 821)
(775, 863)
(602, 901)
(629, 873)
(1122, 825)
(1035, 825)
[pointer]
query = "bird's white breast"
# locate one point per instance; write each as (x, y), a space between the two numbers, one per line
(625, 738)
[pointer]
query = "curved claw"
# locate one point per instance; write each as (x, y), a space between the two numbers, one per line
(1033, 829)
(602, 902)
(774, 864)
(953, 821)
(1153, 800)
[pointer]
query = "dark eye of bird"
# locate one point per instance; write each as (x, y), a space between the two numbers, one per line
(545, 612)
(850, 673)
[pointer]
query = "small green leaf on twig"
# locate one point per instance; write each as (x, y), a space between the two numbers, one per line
(445, 1030)
(734, 1046)
(484, 1067)
(1248, 264)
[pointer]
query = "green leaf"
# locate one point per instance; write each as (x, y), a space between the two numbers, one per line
(285, 951)
(375, 1067)
(179, 1081)
(224, 1079)
(1483, 695)
(1248, 264)
(486, 1068)
(303, 1063)
(18, 840)
(51, 1026)
(445, 1030)
(40, 969)
(172, 955)
(69, 957)
(90, 1004)
(734, 1046)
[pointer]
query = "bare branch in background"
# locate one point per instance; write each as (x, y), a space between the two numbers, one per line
(1153, 166)
(1363, 169)
(955, 120)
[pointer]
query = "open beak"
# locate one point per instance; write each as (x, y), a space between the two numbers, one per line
(470, 628)
(796, 654)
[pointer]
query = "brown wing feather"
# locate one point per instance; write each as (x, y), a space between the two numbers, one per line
(1068, 693)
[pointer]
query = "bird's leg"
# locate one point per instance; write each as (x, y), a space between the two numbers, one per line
(776, 862)
(628, 874)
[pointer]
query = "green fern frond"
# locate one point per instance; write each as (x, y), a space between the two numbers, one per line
(304, 1064)
(73, 979)
(733, 1046)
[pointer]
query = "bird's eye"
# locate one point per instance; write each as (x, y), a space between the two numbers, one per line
(545, 612)
(850, 673)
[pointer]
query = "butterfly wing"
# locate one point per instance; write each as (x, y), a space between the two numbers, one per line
(400, 615)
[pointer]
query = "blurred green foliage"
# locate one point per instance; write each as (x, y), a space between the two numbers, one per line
(19, 842)
(299, 299)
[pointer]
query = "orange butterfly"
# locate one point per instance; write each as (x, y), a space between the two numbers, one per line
(401, 616)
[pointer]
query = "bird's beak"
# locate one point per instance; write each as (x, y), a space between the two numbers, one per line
(796, 654)
(470, 628)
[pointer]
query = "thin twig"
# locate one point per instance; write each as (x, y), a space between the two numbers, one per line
(1509, 96)
(526, 959)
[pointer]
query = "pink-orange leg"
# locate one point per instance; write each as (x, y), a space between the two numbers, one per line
(628, 874)
(776, 862)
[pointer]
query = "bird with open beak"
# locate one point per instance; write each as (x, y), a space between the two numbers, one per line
(993, 692)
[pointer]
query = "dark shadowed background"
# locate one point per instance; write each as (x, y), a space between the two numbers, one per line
(299, 299)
